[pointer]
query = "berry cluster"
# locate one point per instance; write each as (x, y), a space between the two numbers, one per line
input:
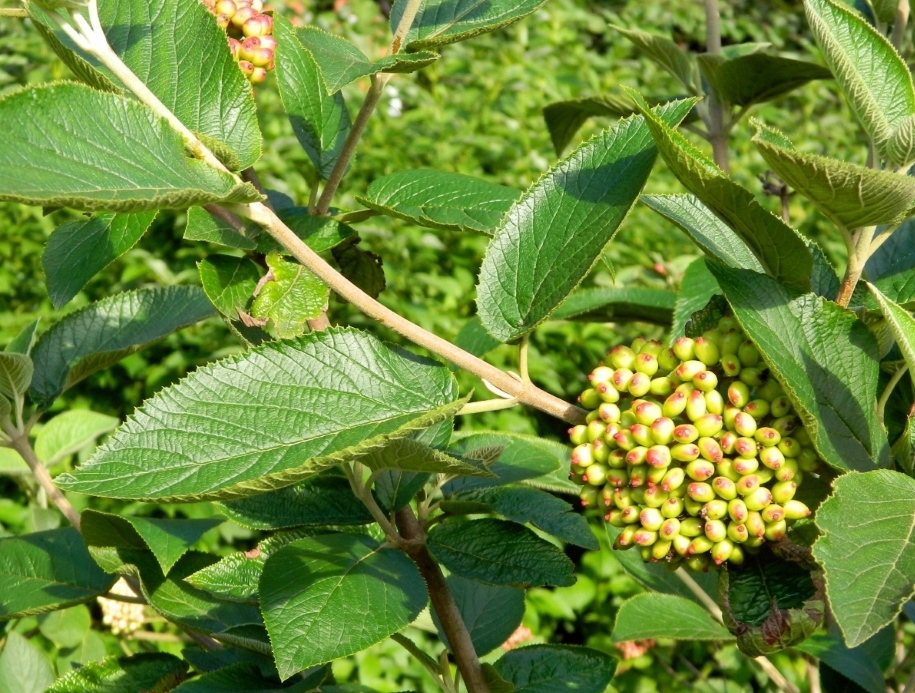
(250, 35)
(695, 451)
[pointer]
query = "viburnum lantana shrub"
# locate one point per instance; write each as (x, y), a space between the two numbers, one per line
(752, 457)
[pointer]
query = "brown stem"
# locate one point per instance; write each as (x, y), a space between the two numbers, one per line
(526, 393)
(448, 614)
(320, 323)
(19, 442)
(902, 18)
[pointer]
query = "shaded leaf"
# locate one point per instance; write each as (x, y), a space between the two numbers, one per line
(103, 333)
(48, 570)
(81, 148)
(269, 418)
(318, 233)
(79, 250)
(519, 457)
(556, 669)
(202, 226)
(331, 596)
(696, 289)
(618, 305)
(361, 267)
(681, 619)
(229, 282)
(474, 338)
(16, 374)
(244, 677)
(665, 53)
(23, 342)
(564, 118)
(490, 613)
(852, 663)
(440, 199)
(758, 77)
(67, 627)
(867, 550)
(148, 671)
(23, 667)
(828, 366)
(69, 432)
(554, 234)
(901, 324)
(407, 454)
(499, 552)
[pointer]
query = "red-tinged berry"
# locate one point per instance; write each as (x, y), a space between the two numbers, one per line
(661, 387)
(758, 409)
(625, 538)
(744, 424)
(700, 470)
(651, 519)
(728, 442)
(582, 456)
(772, 458)
(630, 515)
(226, 7)
(669, 528)
(746, 447)
(730, 365)
(755, 525)
(639, 385)
(680, 544)
(696, 407)
(688, 370)
(772, 513)
(726, 469)
(636, 456)
(625, 440)
(578, 434)
(789, 470)
(738, 395)
(242, 15)
(684, 348)
(622, 498)
(234, 47)
(715, 530)
(709, 425)
(589, 496)
(662, 430)
(700, 544)
(789, 447)
(646, 413)
(795, 510)
(714, 510)
(686, 433)
(776, 530)
(747, 484)
(721, 551)
(751, 376)
(595, 474)
(609, 412)
(607, 392)
(620, 379)
(642, 435)
(738, 533)
(617, 477)
(710, 449)
(700, 492)
(601, 374)
(725, 488)
(675, 404)
(658, 456)
(758, 499)
(614, 518)
(258, 25)
(783, 491)
(684, 452)
(744, 466)
(223, 21)
(621, 356)
(737, 510)
(706, 381)
(654, 497)
(644, 537)
(672, 507)
(646, 364)
(617, 459)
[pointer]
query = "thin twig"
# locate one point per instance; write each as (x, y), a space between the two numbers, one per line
(421, 657)
(910, 684)
(523, 349)
(526, 393)
(488, 405)
(13, 12)
(364, 494)
(20, 443)
(888, 391)
(764, 664)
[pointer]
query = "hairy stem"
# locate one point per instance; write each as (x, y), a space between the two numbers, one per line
(20, 443)
(768, 668)
(443, 602)
(899, 24)
(858, 252)
(364, 494)
(403, 26)
(526, 393)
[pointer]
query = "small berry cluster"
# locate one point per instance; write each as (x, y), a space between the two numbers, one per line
(695, 451)
(250, 35)
(122, 617)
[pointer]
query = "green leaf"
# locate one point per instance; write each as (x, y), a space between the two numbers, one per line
(618, 305)
(409, 455)
(269, 418)
(490, 613)
(103, 333)
(777, 246)
(79, 250)
(665, 616)
(332, 596)
(655, 576)
(710, 233)
(828, 364)
(867, 550)
(499, 552)
(556, 669)
(244, 677)
(168, 539)
(474, 338)
(179, 52)
(873, 78)
(321, 500)
(665, 53)
(45, 571)
(16, 374)
(320, 121)
(546, 512)
(440, 199)
(67, 627)
(11, 463)
(341, 62)
(885, 10)
(70, 432)
(202, 226)
(235, 577)
(554, 234)
(23, 342)
(758, 77)
(850, 196)
(148, 671)
(519, 457)
(440, 22)
(81, 148)
(290, 297)
(696, 289)
(853, 663)
(903, 448)
(229, 282)
(318, 233)
(23, 667)
(564, 118)
(770, 603)
(361, 267)
(901, 324)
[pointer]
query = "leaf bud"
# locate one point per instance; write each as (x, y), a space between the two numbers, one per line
(621, 356)
(684, 452)
(737, 510)
(730, 365)
(751, 376)
(715, 510)
(738, 395)
(738, 532)
(758, 499)
(795, 510)
(725, 488)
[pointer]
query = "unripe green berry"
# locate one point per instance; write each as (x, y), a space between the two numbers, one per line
(706, 381)
(578, 434)
(700, 492)
(738, 532)
(755, 525)
(802, 436)
(715, 510)
(696, 406)
(746, 465)
(747, 484)
(730, 365)
(767, 437)
(639, 385)
(656, 475)
(758, 499)
(699, 564)
(789, 470)
(653, 347)
(692, 507)
(621, 356)
(654, 497)
(617, 477)
(673, 478)
(636, 456)
(684, 349)
(737, 510)
(644, 537)
(728, 324)
(630, 515)
(591, 416)
(710, 450)
(596, 430)
(721, 551)
(625, 440)
(646, 413)
(730, 343)
(709, 425)
(772, 513)
(758, 409)
(637, 344)
(607, 393)
(622, 498)
(781, 406)
(707, 351)
(772, 458)
(737, 555)
(668, 360)
(625, 538)
(738, 395)
(609, 412)
(716, 530)
(714, 403)
(645, 553)
(680, 544)
(808, 460)
(669, 528)
(770, 390)
(627, 419)
(672, 507)
(789, 447)
(724, 487)
(620, 379)
(589, 496)
(651, 519)
(726, 469)
(785, 425)
(661, 387)
(614, 518)
(783, 491)
(751, 376)
(748, 353)
(684, 452)
(642, 434)
(662, 430)
(660, 550)
(596, 474)
(795, 510)
(700, 544)
(713, 335)
(746, 447)
(646, 364)
(590, 399)
(776, 530)
(675, 404)
(765, 475)
(659, 457)
(691, 527)
(600, 450)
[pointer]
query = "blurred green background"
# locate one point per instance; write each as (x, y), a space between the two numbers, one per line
(476, 111)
